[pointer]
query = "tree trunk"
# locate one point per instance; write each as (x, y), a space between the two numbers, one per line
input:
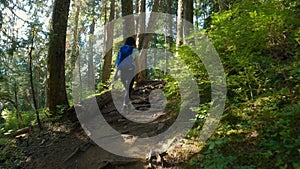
(127, 9)
(108, 55)
(179, 24)
(141, 23)
(188, 15)
(154, 59)
(16, 105)
(169, 38)
(91, 73)
(221, 5)
(137, 7)
(32, 86)
(170, 25)
(56, 94)
(80, 94)
(145, 44)
(140, 37)
(188, 10)
(75, 48)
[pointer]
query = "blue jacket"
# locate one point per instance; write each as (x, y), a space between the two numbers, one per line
(125, 51)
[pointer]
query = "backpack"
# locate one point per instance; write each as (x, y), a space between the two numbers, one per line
(125, 59)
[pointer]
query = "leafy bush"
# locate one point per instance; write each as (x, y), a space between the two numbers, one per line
(258, 43)
(11, 123)
(11, 155)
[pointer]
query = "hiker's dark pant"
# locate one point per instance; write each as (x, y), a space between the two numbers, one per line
(127, 78)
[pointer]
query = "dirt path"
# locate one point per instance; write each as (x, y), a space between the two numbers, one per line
(68, 146)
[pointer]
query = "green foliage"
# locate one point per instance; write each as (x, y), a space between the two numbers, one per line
(258, 43)
(101, 87)
(254, 28)
(212, 160)
(10, 121)
(11, 155)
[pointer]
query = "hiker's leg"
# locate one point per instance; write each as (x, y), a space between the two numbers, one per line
(131, 80)
(124, 82)
(126, 96)
(125, 75)
(130, 88)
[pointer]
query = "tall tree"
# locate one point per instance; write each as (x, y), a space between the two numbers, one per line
(56, 89)
(91, 52)
(91, 76)
(109, 34)
(170, 24)
(179, 23)
(146, 44)
(75, 46)
(169, 39)
(16, 105)
(127, 9)
(188, 10)
(188, 15)
(141, 24)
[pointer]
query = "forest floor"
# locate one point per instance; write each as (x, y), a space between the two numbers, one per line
(66, 145)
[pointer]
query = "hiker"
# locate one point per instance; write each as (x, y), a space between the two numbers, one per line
(125, 64)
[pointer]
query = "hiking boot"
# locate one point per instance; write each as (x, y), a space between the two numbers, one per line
(124, 108)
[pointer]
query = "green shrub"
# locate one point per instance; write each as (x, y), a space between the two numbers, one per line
(11, 155)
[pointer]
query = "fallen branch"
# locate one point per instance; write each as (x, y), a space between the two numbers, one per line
(21, 131)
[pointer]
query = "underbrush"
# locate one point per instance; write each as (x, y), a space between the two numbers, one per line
(260, 125)
(11, 155)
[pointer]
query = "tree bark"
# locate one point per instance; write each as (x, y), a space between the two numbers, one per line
(75, 48)
(188, 15)
(179, 24)
(141, 24)
(145, 45)
(188, 10)
(16, 105)
(169, 38)
(91, 73)
(108, 55)
(127, 9)
(170, 25)
(56, 94)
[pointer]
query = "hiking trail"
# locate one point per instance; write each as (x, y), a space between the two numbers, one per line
(68, 146)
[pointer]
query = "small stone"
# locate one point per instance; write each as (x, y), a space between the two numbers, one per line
(144, 135)
(121, 120)
(160, 126)
(42, 142)
(28, 159)
(158, 158)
